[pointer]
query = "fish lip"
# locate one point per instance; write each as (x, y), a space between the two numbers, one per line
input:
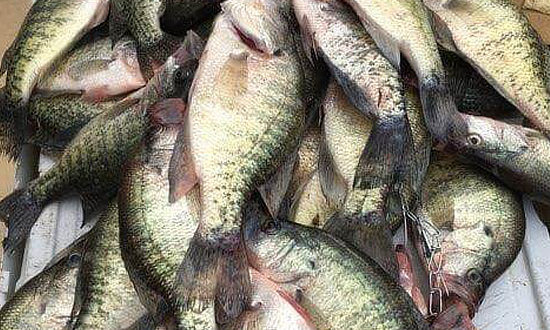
(455, 286)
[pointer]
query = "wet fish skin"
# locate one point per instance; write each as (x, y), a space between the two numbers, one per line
(482, 226)
(360, 220)
(403, 28)
(50, 29)
(229, 77)
(91, 166)
(98, 69)
(472, 93)
(310, 206)
(272, 309)
(418, 161)
(53, 122)
(141, 18)
(373, 85)
(517, 155)
(498, 40)
(317, 268)
(154, 232)
(107, 299)
(45, 301)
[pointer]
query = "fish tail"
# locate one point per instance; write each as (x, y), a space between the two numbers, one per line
(382, 161)
(440, 112)
(215, 271)
(370, 234)
(19, 211)
(11, 138)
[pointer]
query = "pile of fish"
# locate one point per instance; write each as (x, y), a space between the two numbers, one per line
(251, 161)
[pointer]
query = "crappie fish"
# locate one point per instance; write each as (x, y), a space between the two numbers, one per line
(45, 301)
(141, 18)
(272, 309)
(402, 27)
(53, 122)
(472, 93)
(51, 28)
(154, 232)
(246, 114)
(155, 235)
(106, 296)
(373, 85)
(98, 69)
(91, 165)
(481, 227)
(517, 155)
(339, 288)
(500, 43)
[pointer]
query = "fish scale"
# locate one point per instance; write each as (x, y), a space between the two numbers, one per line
(49, 31)
(499, 42)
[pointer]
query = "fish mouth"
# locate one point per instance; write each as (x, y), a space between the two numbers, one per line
(458, 288)
(454, 317)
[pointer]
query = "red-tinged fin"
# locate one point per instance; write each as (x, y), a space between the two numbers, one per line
(407, 280)
(454, 317)
(192, 48)
(181, 173)
(168, 112)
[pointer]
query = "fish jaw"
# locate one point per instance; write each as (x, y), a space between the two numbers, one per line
(456, 316)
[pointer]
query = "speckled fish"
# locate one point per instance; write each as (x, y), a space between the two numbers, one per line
(418, 160)
(304, 165)
(272, 309)
(97, 69)
(517, 155)
(339, 288)
(246, 114)
(106, 296)
(156, 233)
(91, 166)
(45, 301)
(472, 93)
(402, 27)
(54, 122)
(500, 43)
(373, 85)
(51, 28)
(141, 18)
(361, 218)
(481, 224)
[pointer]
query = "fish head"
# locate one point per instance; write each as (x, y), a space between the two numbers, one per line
(465, 261)
(276, 248)
(174, 78)
(490, 139)
(259, 23)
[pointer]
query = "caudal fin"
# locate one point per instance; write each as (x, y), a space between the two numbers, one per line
(440, 112)
(19, 211)
(382, 162)
(215, 270)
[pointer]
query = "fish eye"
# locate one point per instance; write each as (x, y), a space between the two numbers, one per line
(74, 260)
(181, 75)
(474, 140)
(271, 227)
(474, 276)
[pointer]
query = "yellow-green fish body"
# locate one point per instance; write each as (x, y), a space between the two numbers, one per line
(496, 38)
(51, 28)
